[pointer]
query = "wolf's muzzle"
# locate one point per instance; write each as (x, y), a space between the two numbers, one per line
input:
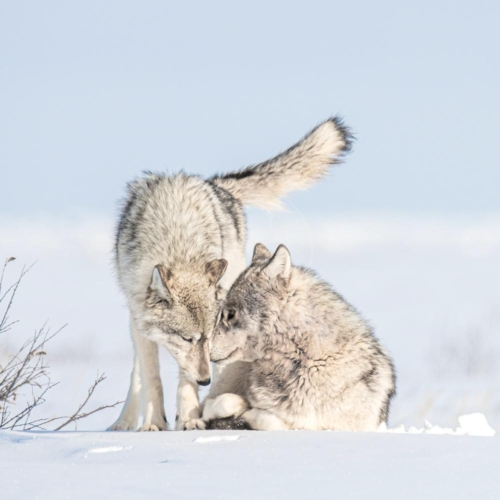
(203, 382)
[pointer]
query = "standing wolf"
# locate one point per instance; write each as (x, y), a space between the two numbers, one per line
(180, 244)
(312, 361)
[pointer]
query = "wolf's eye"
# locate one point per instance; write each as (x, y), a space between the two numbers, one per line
(230, 316)
(162, 301)
(186, 339)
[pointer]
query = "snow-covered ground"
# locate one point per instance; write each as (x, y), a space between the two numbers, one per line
(247, 465)
(430, 286)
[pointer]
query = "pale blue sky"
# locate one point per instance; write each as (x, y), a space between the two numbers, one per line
(93, 92)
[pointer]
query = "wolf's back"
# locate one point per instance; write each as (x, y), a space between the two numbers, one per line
(297, 168)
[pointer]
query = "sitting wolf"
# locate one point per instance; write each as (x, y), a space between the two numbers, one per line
(180, 243)
(312, 361)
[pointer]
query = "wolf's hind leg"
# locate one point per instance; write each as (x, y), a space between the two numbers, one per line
(224, 406)
(263, 420)
(129, 416)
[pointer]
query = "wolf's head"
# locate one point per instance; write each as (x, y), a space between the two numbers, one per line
(181, 313)
(252, 302)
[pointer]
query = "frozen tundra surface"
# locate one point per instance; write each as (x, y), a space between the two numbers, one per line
(247, 465)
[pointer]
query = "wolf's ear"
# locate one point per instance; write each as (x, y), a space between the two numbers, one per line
(160, 281)
(215, 269)
(280, 265)
(260, 252)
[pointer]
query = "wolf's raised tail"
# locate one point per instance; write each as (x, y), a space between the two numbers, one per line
(297, 168)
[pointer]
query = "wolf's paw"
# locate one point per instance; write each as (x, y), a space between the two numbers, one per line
(121, 425)
(224, 406)
(153, 427)
(193, 424)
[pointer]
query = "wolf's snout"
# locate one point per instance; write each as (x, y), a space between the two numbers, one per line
(204, 382)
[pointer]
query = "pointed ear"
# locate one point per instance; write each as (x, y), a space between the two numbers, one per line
(260, 252)
(159, 281)
(280, 265)
(215, 269)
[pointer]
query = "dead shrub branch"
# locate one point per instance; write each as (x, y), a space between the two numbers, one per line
(25, 375)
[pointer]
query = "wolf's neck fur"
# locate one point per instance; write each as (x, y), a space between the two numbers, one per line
(311, 319)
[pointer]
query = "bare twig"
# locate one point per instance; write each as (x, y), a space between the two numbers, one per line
(12, 289)
(78, 415)
(6, 263)
(27, 370)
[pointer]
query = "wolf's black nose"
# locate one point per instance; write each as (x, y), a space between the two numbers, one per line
(204, 382)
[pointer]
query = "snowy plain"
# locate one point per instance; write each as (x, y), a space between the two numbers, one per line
(430, 286)
(248, 465)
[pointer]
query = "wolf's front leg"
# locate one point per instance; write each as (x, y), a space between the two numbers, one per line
(263, 420)
(129, 416)
(153, 410)
(145, 392)
(188, 406)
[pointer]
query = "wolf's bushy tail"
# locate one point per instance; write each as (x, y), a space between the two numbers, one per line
(297, 168)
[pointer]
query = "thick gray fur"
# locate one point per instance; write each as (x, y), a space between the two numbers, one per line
(306, 162)
(180, 244)
(298, 355)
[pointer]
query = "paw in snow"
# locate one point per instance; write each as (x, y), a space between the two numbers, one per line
(224, 406)
(121, 425)
(153, 427)
(193, 424)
